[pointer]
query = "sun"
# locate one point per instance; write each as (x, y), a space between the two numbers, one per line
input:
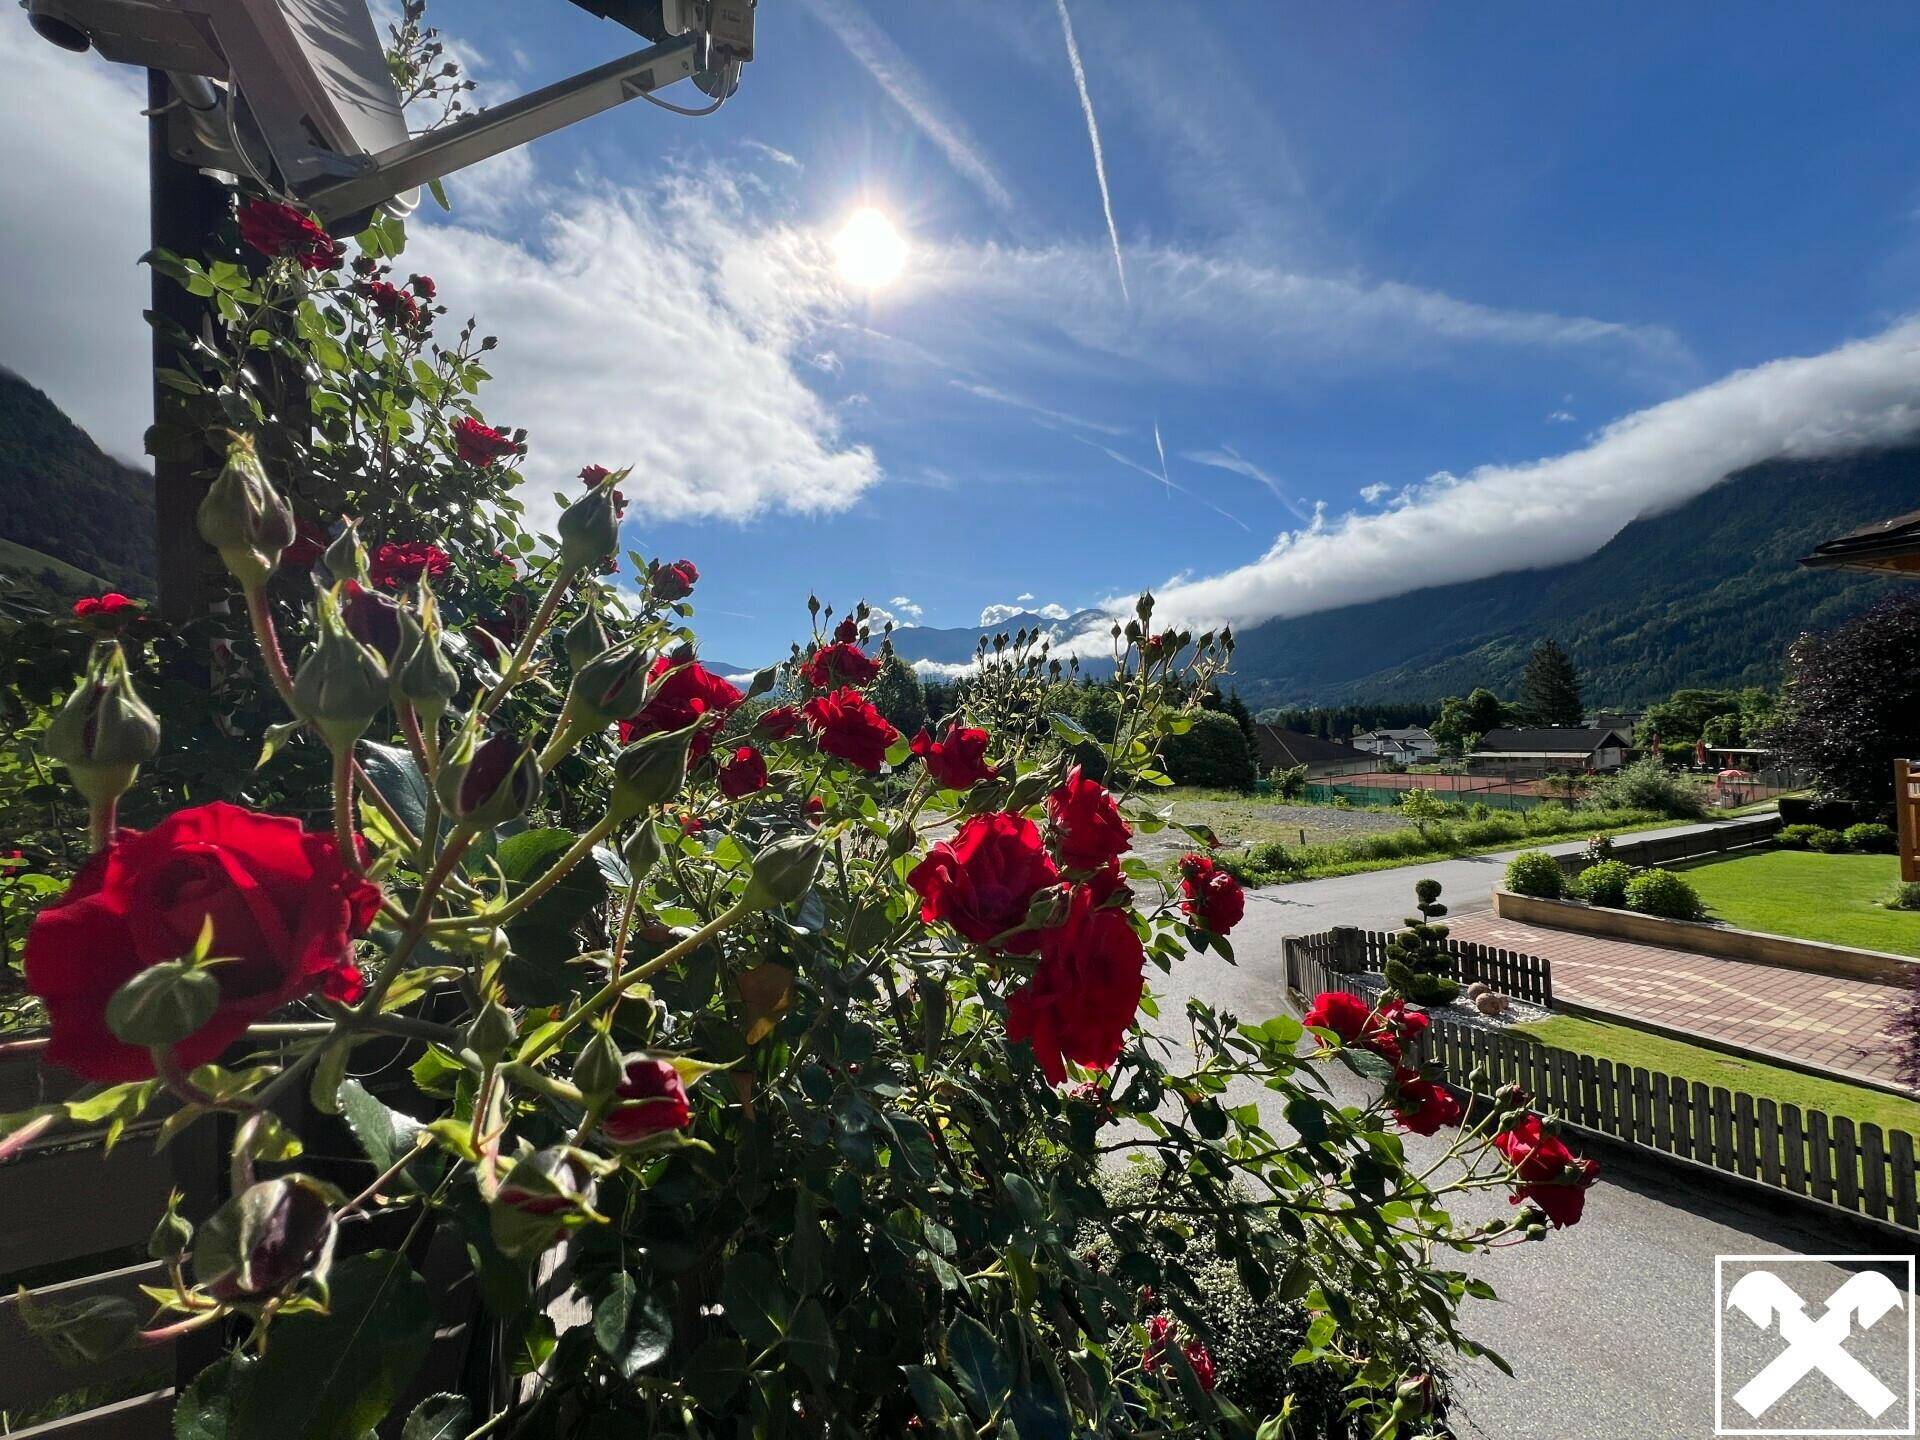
(870, 251)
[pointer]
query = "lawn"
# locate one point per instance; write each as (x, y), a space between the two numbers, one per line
(1623, 1045)
(1834, 898)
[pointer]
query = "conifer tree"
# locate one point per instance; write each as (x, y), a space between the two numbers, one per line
(1418, 965)
(1550, 686)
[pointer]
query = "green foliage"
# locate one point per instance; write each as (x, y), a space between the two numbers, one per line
(1464, 719)
(1423, 807)
(1213, 752)
(1646, 784)
(1819, 838)
(1289, 781)
(1418, 965)
(1663, 893)
(1851, 703)
(898, 695)
(1550, 686)
(1904, 896)
(1534, 872)
(1871, 838)
(1603, 883)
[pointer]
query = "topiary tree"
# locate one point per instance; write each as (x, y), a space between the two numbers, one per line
(1419, 967)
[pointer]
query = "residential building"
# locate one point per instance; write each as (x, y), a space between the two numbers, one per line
(1411, 746)
(1543, 750)
(1284, 749)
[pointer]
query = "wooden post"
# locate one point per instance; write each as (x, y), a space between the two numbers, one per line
(1906, 806)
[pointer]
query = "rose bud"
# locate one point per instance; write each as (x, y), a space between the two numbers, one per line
(783, 872)
(586, 638)
(173, 1236)
(264, 1238)
(600, 1066)
(373, 619)
(489, 782)
(163, 1004)
(346, 557)
(428, 681)
(650, 770)
(673, 582)
(492, 1031)
(341, 684)
(544, 1195)
(642, 850)
(651, 1099)
(104, 732)
(243, 517)
(612, 686)
(589, 530)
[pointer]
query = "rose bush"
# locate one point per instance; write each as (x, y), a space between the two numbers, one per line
(795, 1053)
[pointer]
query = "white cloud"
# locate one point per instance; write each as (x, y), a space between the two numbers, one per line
(1561, 417)
(903, 83)
(1512, 517)
(901, 605)
(773, 153)
(945, 669)
(999, 614)
(1028, 595)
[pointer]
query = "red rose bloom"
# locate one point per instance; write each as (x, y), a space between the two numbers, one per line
(395, 565)
(1546, 1172)
(1161, 1331)
(371, 618)
(982, 881)
(1214, 897)
(839, 664)
(649, 1099)
(394, 306)
(423, 286)
(309, 544)
(112, 608)
(814, 809)
(847, 631)
(745, 773)
(958, 760)
(593, 474)
(276, 230)
(1082, 999)
(675, 581)
(1087, 828)
(1357, 1023)
(689, 692)
(1420, 1105)
(844, 724)
(779, 722)
(478, 444)
(283, 903)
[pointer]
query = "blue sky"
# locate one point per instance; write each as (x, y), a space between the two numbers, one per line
(1391, 273)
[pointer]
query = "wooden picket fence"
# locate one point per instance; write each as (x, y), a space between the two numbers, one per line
(1345, 949)
(1861, 1168)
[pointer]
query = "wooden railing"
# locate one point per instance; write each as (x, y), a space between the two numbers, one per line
(1806, 1153)
(1524, 977)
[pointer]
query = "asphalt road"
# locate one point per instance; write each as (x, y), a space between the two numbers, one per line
(1609, 1326)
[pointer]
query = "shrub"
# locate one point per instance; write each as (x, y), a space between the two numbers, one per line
(1604, 883)
(1649, 785)
(1418, 966)
(1871, 838)
(1905, 896)
(1214, 751)
(1289, 781)
(1663, 893)
(1534, 872)
(1811, 837)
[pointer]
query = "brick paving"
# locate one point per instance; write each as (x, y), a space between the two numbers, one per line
(1823, 1019)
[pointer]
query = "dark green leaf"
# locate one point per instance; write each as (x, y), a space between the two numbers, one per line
(611, 1310)
(439, 1417)
(810, 1339)
(756, 1304)
(978, 1365)
(385, 1134)
(204, 1410)
(530, 854)
(398, 779)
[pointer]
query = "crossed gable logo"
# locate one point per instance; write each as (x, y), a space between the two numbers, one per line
(1815, 1337)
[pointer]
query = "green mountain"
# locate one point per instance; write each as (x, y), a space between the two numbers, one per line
(1707, 594)
(65, 498)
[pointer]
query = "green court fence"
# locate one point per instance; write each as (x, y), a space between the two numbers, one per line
(1325, 793)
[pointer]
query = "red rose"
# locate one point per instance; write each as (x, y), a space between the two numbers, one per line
(284, 905)
(593, 474)
(982, 881)
(1406, 1025)
(1420, 1105)
(675, 581)
(688, 692)
(650, 1098)
(276, 230)
(309, 544)
(478, 444)
(371, 618)
(779, 722)
(847, 631)
(815, 808)
(423, 286)
(1082, 999)
(958, 759)
(839, 664)
(1355, 1022)
(1087, 828)
(394, 306)
(1162, 1331)
(109, 609)
(1214, 897)
(844, 724)
(745, 773)
(1545, 1172)
(396, 565)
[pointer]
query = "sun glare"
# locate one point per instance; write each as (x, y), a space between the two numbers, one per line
(870, 252)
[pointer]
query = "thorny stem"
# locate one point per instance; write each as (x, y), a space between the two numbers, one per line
(575, 853)
(543, 618)
(268, 639)
(103, 822)
(343, 837)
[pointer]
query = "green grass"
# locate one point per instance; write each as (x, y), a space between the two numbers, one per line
(28, 563)
(1624, 1045)
(1832, 898)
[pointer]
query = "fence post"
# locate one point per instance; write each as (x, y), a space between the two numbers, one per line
(1349, 948)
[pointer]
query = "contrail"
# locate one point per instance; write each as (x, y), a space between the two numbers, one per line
(1163, 455)
(1135, 465)
(1093, 134)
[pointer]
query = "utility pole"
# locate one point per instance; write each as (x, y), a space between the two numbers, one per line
(185, 209)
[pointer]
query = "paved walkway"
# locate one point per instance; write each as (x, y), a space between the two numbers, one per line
(1822, 1019)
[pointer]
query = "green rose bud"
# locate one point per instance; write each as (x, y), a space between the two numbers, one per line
(544, 1195)
(610, 687)
(493, 1030)
(589, 529)
(642, 851)
(586, 638)
(173, 1236)
(784, 871)
(163, 1004)
(341, 684)
(265, 1238)
(243, 517)
(346, 557)
(600, 1067)
(488, 782)
(104, 731)
(427, 680)
(649, 771)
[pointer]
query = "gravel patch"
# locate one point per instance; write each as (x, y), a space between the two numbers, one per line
(1460, 1010)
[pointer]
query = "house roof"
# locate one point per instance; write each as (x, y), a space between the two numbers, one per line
(1410, 733)
(1549, 740)
(1294, 748)
(1884, 547)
